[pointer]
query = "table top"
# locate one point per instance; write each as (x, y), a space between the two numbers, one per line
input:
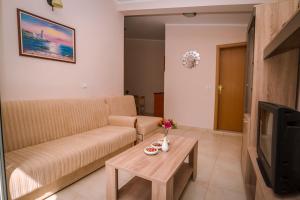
(160, 167)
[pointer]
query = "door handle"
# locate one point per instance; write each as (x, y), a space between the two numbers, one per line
(220, 88)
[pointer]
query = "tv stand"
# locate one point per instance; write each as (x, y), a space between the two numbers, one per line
(256, 183)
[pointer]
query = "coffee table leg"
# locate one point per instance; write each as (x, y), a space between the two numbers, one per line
(163, 191)
(111, 183)
(193, 158)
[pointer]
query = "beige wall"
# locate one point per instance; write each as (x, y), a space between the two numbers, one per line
(189, 93)
(1, 45)
(99, 30)
(144, 68)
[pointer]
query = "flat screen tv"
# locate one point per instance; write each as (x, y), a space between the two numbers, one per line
(278, 147)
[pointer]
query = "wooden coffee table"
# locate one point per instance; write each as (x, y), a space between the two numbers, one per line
(159, 177)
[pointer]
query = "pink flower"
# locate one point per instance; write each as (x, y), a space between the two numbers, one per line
(168, 124)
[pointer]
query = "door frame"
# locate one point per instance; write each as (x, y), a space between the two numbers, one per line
(218, 50)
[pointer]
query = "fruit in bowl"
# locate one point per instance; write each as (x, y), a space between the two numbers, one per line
(157, 145)
(151, 150)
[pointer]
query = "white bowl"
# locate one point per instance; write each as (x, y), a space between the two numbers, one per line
(150, 152)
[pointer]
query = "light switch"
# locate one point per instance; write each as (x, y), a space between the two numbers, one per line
(208, 87)
(83, 85)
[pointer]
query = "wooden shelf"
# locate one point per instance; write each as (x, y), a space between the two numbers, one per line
(138, 188)
(181, 179)
(287, 38)
(253, 155)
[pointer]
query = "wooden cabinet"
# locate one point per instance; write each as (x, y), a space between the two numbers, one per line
(249, 66)
(159, 104)
(244, 154)
(258, 193)
(262, 191)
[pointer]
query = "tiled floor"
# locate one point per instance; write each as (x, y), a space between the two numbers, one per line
(219, 171)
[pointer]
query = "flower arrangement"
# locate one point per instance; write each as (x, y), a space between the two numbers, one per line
(168, 124)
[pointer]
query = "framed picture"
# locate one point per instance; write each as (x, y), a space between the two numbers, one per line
(46, 39)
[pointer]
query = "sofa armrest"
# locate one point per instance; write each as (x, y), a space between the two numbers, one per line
(128, 121)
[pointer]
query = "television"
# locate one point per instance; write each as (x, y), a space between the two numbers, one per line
(278, 147)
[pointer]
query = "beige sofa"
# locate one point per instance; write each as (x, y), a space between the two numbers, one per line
(125, 106)
(53, 143)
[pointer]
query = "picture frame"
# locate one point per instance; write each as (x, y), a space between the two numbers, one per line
(43, 38)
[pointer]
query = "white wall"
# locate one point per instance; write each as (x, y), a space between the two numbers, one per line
(99, 40)
(144, 69)
(189, 93)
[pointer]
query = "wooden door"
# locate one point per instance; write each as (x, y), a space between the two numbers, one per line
(231, 61)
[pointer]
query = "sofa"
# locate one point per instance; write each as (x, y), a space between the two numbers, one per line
(50, 144)
(125, 106)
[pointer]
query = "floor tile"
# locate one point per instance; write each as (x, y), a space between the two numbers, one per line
(227, 178)
(233, 140)
(195, 191)
(206, 165)
(214, 193)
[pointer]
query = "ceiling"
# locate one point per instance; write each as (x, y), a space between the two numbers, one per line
(146, 19)
(126, 1)
(158, 7)
(153, 27)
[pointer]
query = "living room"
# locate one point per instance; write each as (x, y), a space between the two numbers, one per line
(226, 125)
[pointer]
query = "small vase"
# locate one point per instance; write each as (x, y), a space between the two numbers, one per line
(166, 131)
(165, 145)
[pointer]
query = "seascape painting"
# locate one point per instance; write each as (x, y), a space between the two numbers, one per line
(43, 38)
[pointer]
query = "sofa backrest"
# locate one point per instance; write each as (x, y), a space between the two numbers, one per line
(122, 105)
(27, 123)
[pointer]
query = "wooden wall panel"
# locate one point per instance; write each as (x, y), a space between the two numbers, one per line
(274, 79)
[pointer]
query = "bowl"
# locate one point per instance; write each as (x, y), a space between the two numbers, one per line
(157, 145)
(150, 150)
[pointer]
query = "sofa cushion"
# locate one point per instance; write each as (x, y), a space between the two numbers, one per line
(147, 124)
(122, 105)
(128, 121)
(28, 123)
(33, 167)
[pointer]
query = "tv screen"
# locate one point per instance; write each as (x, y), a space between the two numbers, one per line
(266, 130)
